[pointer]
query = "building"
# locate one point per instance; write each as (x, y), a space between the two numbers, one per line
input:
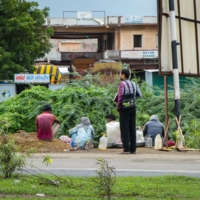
(130, 39)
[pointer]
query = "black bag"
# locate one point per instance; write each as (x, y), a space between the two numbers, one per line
(128, 100)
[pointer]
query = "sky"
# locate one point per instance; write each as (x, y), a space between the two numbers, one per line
(111, 7)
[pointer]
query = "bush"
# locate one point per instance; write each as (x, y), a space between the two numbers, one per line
(9, 160)
(83, 98)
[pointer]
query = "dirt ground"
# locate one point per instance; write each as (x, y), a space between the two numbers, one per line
(26, 140)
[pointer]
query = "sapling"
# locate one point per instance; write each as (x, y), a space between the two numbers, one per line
(105, 179)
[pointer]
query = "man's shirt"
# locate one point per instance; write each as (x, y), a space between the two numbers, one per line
(44, 124)
(113, 132)
(126, 88)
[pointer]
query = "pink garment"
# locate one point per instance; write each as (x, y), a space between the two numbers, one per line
(119, 95)
(44, 124)
(65, 139)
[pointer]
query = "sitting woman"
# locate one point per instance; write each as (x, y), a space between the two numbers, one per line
(82, 134)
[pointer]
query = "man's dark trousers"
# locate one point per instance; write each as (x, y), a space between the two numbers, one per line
(128, 129)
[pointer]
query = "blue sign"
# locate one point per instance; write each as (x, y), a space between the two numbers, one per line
(148, 54)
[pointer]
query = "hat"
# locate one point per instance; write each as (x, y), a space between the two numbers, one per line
(154, 117)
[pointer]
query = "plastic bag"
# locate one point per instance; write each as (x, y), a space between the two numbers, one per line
(65, 139)
(139, 133)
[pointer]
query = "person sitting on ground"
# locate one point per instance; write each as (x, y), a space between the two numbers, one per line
(47, 124)
(153, 127)
(113, 129)
(82, 134)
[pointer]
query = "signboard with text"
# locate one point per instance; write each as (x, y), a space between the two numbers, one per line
(133, 19)
(187, 15)
(84, 15)
(139, 54)
(32, 78)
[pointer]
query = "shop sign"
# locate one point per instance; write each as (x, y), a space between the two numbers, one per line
(84, 15)
(133, 19)
(32, 78)
(139, 54)
(149, 54)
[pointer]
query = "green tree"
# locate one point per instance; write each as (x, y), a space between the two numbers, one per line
(22, 38)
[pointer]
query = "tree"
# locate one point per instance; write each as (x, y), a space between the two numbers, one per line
(22, 38)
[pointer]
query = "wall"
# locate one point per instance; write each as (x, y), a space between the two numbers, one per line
(70, 47)
(10, 90)
(149, 77)
(54, 53)
(96, 21)
(7, 91)
(153, 78)
(78, 45)
(149, 33)
(75, 21)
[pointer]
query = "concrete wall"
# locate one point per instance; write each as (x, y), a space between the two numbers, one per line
(96, 21)
(148, 33)
(71, 47)
(78, 45)
(111, 54)
(7, 91)
(149, 76)
(74, 21)
(54, 53)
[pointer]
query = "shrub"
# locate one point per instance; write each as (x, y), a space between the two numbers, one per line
(9, 160)
(105, 179)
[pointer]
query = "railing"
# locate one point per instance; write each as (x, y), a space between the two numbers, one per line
(71, 55)
(99, 21)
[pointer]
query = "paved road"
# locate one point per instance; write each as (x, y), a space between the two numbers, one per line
(147, 162)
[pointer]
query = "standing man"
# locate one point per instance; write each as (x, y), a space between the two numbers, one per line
(127, 116)
(44, 123)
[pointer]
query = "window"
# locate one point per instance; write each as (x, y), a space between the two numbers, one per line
(137, 41)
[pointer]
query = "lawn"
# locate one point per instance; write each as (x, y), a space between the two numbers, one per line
(148, 188)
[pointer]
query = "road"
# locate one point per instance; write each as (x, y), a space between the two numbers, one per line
(147, 162)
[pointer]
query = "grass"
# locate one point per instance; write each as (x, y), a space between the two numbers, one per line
(128, 188)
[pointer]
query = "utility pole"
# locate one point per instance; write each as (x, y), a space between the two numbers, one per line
(174, 58)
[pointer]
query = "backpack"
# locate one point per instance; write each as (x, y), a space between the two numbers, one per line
(128, 100)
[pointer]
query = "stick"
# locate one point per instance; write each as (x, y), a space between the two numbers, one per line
(179, 126)
(179, 131)
(166, 134)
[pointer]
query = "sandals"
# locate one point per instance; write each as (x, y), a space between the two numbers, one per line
(126, 152)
